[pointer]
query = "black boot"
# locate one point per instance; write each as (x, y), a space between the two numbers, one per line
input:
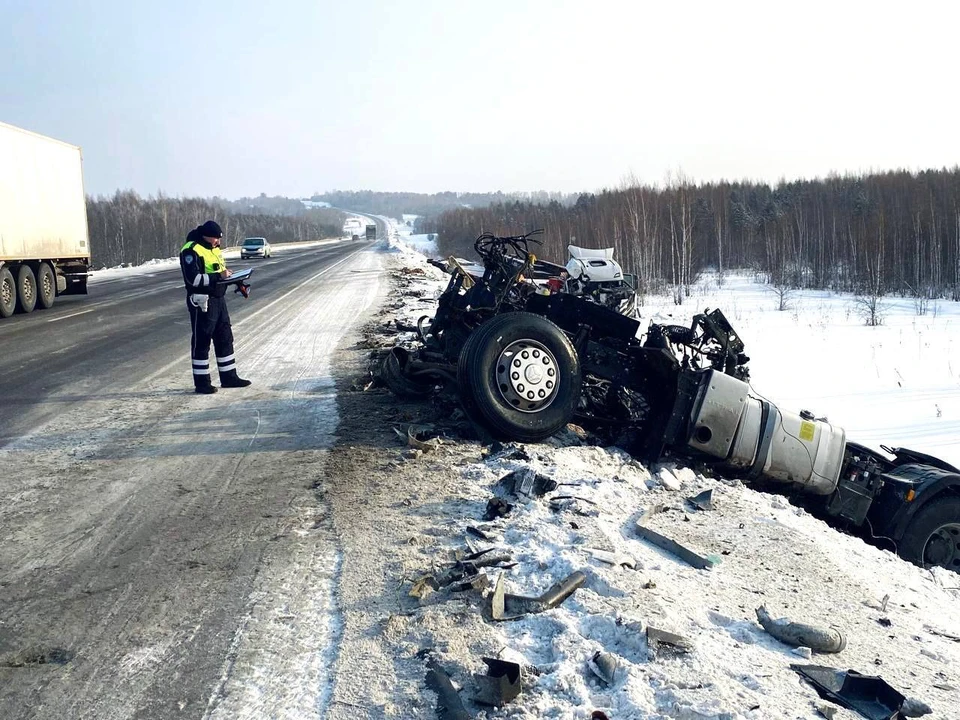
(206, 389)
(232, 380)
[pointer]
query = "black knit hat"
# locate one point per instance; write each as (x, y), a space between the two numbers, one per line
(211, 229)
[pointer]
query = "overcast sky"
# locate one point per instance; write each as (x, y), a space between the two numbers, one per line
(291, 97)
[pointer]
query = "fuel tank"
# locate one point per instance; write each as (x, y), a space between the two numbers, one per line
(756, 439)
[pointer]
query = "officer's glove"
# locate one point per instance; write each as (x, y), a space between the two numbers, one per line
(200, 301)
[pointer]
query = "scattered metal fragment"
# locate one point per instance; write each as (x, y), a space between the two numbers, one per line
(497, 507)
(702, 501)
(500, 685)
(818, 639)
(578, 505)
(498, 451)
(422, 437)
(885, 622)
(941, 633)
(466, 568)
(480, 581)
(612, 558)
(870, 696)
(422, 587)
(449, 704)
(650, 512)
(604, 666)
(504, 606)
(527, 482)
(701, 562)
(657, 637)
(477, 532)
(828, 711)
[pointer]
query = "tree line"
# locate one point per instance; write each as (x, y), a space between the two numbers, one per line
(129, 229)
(895, 232)
(395, 204)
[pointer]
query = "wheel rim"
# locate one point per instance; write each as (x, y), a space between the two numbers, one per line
(6, 292)
(47, 283)
(29, 291)
(943, 547)
(527, 376)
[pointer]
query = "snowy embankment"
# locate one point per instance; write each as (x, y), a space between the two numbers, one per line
(895, 384)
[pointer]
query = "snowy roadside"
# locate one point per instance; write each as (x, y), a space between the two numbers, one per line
(900, 622)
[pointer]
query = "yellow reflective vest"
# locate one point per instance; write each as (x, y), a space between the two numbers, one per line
(212, 257)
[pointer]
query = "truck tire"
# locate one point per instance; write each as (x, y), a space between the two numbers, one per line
(933, 535)
(8, 293)
(519, 376)
(26, 289)
(46, 286)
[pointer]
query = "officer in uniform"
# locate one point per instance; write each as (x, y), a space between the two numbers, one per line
(202, 265)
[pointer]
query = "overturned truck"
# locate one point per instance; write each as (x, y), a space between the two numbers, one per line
(531, 346)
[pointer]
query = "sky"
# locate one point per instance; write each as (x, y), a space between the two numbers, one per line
(293, 97)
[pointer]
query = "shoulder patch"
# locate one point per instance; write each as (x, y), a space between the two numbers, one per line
(189, 257)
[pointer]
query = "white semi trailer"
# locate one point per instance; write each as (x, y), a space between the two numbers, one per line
(44, 241)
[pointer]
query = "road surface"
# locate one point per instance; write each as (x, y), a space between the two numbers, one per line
(165, 554)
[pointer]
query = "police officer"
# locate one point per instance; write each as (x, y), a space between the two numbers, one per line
(202, 265)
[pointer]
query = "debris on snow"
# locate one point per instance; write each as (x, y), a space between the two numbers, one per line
(817, 639)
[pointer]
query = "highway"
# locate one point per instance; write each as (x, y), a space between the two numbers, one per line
(150, 536)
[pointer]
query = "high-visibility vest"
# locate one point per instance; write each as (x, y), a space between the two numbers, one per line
(212, 257)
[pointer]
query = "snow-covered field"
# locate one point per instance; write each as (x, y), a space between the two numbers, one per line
(895, 384)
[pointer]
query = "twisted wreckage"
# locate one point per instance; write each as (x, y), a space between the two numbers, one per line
(531, 346)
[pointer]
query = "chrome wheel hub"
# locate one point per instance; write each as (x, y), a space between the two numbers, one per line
(527, 376)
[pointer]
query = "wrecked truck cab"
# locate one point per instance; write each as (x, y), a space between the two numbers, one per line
(526, 357)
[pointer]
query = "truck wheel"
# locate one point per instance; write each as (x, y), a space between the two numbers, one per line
(26, 289)
(933, 536)
(8, 293)
(46, 286)
(519, 375)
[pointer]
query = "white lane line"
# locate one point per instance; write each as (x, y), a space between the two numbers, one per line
(181, 360)
(64, 317)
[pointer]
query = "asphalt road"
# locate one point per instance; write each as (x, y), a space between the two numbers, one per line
(165, 554)
(126, 329)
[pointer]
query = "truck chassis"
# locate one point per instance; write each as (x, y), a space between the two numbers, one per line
(528, 351)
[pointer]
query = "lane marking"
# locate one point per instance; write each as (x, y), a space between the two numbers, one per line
(64, 317)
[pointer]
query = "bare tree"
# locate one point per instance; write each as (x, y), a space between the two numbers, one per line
(785, 294)
(871, 308)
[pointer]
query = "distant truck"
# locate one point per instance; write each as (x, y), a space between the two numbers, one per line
(44, 242)
(371, 232)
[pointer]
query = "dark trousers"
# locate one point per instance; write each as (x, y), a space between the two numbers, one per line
(214, 324)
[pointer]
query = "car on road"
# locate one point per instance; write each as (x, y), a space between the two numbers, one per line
(254, 247)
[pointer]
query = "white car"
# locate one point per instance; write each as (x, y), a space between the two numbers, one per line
(255, 247)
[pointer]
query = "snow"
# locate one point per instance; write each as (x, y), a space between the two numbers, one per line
(895, 384)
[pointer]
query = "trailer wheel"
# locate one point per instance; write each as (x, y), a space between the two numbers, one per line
(8, 293)
(26, 289)
(933, 535)
(46, 286)
(519, 375)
